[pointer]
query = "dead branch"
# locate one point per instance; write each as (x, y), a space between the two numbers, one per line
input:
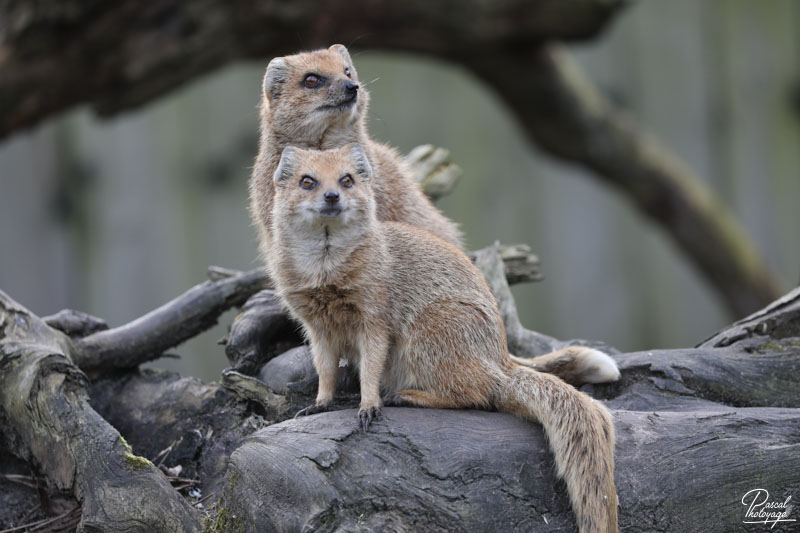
(46, 418)
(118, 55)
(562, 112)
(176, 321)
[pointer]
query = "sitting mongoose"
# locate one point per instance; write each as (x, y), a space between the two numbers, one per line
(416, 318)
(314, 100)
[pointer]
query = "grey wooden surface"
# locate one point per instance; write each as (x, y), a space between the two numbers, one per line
(115, 217)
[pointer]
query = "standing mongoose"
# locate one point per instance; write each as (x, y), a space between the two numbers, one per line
(417, 319)
(314, 100)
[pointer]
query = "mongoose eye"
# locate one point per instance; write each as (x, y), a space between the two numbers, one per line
(347, 72)
(308, 183)
(312, 80)
(346, 181)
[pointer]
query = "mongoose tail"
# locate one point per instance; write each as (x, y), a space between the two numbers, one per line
(575, 364)
(581, 435)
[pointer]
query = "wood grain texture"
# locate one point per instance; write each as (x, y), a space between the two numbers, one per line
(424, 469)
(47, 420)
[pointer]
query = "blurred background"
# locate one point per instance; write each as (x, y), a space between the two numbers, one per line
(114, 217)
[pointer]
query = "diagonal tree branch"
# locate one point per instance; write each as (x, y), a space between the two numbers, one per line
(118, 55)
(562, 112)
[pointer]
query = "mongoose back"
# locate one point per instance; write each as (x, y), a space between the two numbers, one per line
(314, 100)
(417, 320)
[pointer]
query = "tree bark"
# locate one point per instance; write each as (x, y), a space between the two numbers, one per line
(435, 470)
(47, 420)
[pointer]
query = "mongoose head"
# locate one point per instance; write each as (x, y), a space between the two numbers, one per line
(307, 94)
(329, 188)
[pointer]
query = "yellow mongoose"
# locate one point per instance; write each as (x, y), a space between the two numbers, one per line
(313, 100)
(417, 319)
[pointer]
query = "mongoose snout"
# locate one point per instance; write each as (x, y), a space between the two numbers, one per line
(351, 87)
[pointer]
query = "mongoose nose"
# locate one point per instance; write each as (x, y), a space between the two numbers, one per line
(331, 197)
(351, 87)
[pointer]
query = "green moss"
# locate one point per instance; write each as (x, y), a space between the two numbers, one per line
(136, 462)
(226, 522)
(233, 480)
(770, 346)
(125, 443)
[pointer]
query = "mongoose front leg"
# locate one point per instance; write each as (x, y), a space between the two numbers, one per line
(374, 348)
(326, 363)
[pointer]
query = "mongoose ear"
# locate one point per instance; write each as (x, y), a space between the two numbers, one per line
(286, 166)
(363, 168)
(342, 51)
(276, 76)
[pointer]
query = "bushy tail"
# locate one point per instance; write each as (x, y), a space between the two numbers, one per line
(581, 435)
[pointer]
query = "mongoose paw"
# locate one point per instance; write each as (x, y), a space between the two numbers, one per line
(312, 410)
(366, 416)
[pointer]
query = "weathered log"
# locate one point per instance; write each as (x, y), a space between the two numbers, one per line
(778, 320)
(46, 419)
(260, 332)
(434, 170)
(178, 421)
(672, 407)
(432, 470)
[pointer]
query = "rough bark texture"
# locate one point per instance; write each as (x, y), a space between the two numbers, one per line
(697, 428)
(47, 420)
(431, 470)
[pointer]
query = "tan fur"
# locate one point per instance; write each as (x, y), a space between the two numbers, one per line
(417, 319)
(292, 114)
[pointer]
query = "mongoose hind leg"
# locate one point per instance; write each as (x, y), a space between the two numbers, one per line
(419, 398)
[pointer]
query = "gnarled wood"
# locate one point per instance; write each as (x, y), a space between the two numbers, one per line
(46, 419)
(433, 470)
(180, 319)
